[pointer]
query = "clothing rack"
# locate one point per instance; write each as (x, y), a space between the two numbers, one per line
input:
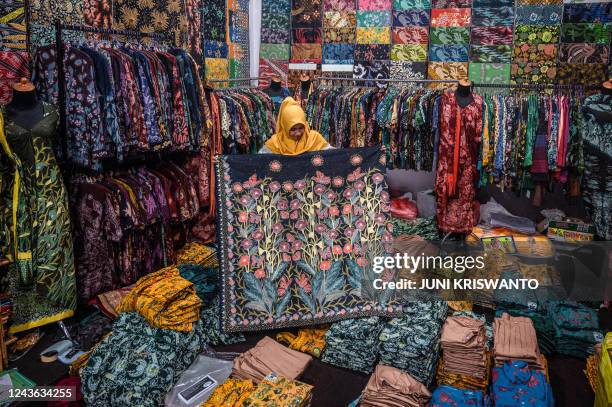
(339, 78)
(255, 78)
(538, 86)
(61, 74)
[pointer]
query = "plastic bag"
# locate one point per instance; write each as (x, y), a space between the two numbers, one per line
(197, 383)
(426, 203)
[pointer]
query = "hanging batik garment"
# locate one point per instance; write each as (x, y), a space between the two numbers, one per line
(297, 235)
(457, 209)
(36, 232)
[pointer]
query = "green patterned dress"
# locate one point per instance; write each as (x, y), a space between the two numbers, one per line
(35, 230)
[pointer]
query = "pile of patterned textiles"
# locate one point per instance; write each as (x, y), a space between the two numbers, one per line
(576, 328)
(515, 384)
(463, 381)
(542, 323)
(267, 357)
(273, 390)
(114, 375)
(353, 343)
(464, 347)
(423, 227)
(197, 253)
(205, 281)
(411, 343)
(389, 386)
(307, 340)
(448, 396)
(211, 324)
(488, 326)
(515, 339)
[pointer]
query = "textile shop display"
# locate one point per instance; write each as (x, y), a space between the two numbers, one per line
(576, 328)
(390, 386)
(275, 33)
(515, 339)
(290, 209)
(35, 219)
(139, 101)
(515, 383)
(307, 340)
(542, 323)
(267, 357)
(125, 223)
(463, 343)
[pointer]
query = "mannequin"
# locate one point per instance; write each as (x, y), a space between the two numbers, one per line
(305, 84)
(277, 92)
(464, 93)
(25, 110)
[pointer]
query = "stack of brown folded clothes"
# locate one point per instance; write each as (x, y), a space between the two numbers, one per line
(390, 387)
(464, 347)
(460, 381)
(515, 339)
(269, 356)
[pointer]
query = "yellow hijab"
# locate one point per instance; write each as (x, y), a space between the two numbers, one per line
(290, 114)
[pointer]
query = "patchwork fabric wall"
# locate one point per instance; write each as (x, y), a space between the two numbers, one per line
(13, 52)
(489, 41)
(275, 47)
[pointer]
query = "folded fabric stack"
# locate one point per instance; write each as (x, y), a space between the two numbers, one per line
(576, 328)
(272, 391)
(390, 387)
(443, 376)
(269, 356)
(165, 299)
(463, 347)
(515, 339)
(515, 384)
(353, 344)
(542, 323)
(488, 326)
(448, 396)
(204, 279)
(197, 253)
(115, 373)
(308, 340)
(423, 227)
(411, 343)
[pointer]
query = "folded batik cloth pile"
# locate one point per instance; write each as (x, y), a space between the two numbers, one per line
(204, 279)
(576, 328)
(197, 253)
(165, 299)
(423, 227)
(411, 343)
(464, 347)
(515, 339)
(389, 386)
(353, 344)
(307, 340)
(542, 323)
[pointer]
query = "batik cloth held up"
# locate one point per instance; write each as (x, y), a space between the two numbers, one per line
(294, 210)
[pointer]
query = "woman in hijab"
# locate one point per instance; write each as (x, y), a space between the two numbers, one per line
(293, 135)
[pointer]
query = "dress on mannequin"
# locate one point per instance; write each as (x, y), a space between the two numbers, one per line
(464, 93)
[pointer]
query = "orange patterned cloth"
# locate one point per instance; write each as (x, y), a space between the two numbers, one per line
(165, 299)
(463, 381)
(308, 340)
(231, 393)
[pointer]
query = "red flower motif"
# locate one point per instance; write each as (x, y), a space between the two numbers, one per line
(338, 181)
(275, 166)
(237, 187)
(294, 215)
(274, 186)
(304, 283)
(325, 265)
(356, 159)
(290, 238)
(321, 178)
(283, 285)
(319, 189)
(244, 261)
(295, 204)
(348, 248)
(334, 211)
(283, 204)
(252, 182)
(347, 209)
(337, 249)
(259, 274)
(355, 175)
(256, 193)
(362, 261)
(301, 225)
(300, 184)
(317, 161)
(257, 235)
(378, 178)
(243, 217)
(284, 215)
(287, 186)
(297, 256)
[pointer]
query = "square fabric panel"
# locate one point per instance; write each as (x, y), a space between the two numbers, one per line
(307, 36)
(531, 2)
(588, 13)
(377, 18)
(371, 70)
(449, 35)
(410, 35)
(216, 68)
(96, 13)
(489, 73)
(372, 52)
(411, 4)
(535, 53)
(340, 35)
(270, 68)
(338, 53)
(12, 28)
(340, 19)
(274, 51)
(584, 53)
(491, 53)
(275, 36)
(415, 53)
(525, 73)
(595, 33)
(449, 53)
(492, 16)
(339, 5)
(306, 14)
(492, 3)
(539, 15)
(447, 70)
(584, 74)
(411, 18)
(306, 53)
(451, 3)
(492, 35)
(278, 235)
(213, 49)
(380, 35)
(374, 4)
(407, 70)
(451, 17)
(536, 34)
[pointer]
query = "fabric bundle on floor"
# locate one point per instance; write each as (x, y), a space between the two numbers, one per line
(542, 323)
(515, 384)
(353, 344)
(307, 340)
(390, 387)
(232, 392)
(515, 339)
(576, 328)
(269, 356)
(448, 396)
(411, 343)
(138, 364)
(165, 299)
(463, 347)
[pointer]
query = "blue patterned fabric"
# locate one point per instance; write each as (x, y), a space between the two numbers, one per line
(514, 384)
(338, 53)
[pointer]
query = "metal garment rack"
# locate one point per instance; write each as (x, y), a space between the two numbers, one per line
(249, 80)
(340, 78)
(542, 86)
(61, 74)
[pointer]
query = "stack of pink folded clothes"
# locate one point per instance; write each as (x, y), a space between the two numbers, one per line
(464, 342)
(515, 339)
(390, 387)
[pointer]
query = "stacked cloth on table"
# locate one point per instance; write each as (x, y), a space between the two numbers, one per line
(443, 376)
(272, 391)
(411, 343)
(353, 343)
(515, 384)
(269, 356)
(448, 396)
(391, 387)
(137, 364)
(204, 279)
(576, 328)
(197, 253)
(488, 326)
(165, 299)
(307, 340)
(515, 339)
(464, 347)
(542, 323)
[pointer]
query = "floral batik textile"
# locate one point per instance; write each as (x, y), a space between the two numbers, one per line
(447, 70)
(588, 13)
(98, 13)
(407, 52)
(410, 35)
(595, 33)
(216, 68)
(449, 53)
(374, 35)
(338, 53)
(374, 4)
(296, 237)
(489, 73)
(584, 53)
(535, 53)
(584, 74)
(371, 70)
(307, 36)
(411, 18)
(451, 17)
(527, 72)
(539, 15)
(492, 16)
(491, 53)
(379, 18)
(450, 35)
(407, 70)
(306, 13)
(12, 27)
(373, 52)
(165, 16)
(274, 51)
(339, 5)
(536, 34)
(491, 35)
